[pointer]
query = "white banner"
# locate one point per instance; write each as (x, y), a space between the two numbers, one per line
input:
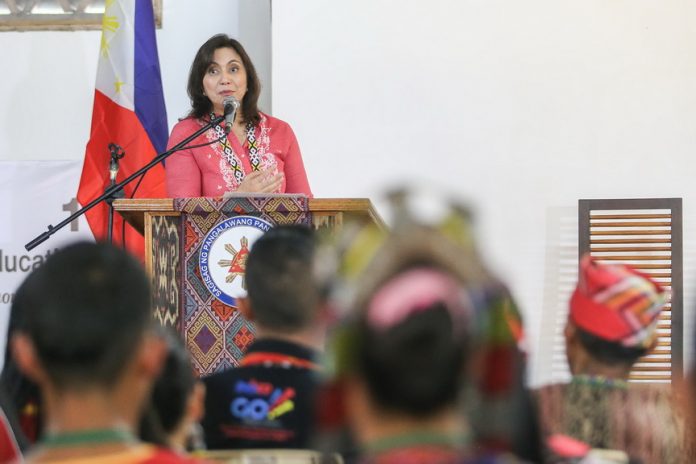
(33, 194)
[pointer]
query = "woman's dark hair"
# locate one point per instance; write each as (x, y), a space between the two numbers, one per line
(415, 367)
(201, 105)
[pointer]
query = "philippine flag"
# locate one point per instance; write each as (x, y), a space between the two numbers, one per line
(129, 111)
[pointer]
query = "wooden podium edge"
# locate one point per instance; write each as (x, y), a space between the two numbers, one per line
(133, 210)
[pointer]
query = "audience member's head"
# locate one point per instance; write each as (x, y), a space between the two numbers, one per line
(402, 354)
(613, 319)
(428, 330)
(176, 403)
(411, 346)
(87, 337)
(283, 296)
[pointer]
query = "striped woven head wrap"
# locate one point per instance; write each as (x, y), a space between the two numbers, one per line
(616, 303)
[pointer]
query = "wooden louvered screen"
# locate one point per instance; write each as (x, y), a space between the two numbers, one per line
(646, 234)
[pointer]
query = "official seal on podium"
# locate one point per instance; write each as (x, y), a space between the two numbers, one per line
(223, 256)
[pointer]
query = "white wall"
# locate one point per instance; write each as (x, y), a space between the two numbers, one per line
(521, 107)
(47, 83)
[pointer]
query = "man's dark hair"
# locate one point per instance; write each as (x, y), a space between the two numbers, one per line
(173, 387)
(85, 310)
(280, 280)
(607, 352)
(200, 104)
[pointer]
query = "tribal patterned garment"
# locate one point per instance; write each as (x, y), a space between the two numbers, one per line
(217, 168)
(640, 419)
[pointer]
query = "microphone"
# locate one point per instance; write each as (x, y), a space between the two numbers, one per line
(231, 105)
(116, 154)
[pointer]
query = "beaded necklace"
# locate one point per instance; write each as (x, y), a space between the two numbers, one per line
(228, 152)
(598, 381)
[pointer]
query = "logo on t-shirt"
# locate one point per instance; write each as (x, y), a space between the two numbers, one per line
(261, 401)
(223, 256)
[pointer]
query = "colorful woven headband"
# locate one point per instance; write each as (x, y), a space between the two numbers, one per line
(616, 303)
(417, 290)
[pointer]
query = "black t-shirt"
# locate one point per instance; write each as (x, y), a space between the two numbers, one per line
(266, 402)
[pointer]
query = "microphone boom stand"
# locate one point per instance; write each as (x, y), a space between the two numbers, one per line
(110, 191)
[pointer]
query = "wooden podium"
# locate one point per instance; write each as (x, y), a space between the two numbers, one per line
(175, 231)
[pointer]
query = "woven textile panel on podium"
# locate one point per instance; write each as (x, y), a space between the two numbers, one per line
(181, 233)
(647, 235)
(215, 333)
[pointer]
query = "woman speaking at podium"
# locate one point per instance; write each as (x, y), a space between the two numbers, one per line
(260, 153)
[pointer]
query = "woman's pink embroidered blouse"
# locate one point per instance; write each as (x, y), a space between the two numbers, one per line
(210, 171)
